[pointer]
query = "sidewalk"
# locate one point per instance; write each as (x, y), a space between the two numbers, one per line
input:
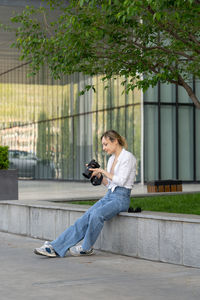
(103, 276)
(31, 190)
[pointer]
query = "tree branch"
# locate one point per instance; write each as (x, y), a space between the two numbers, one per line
(189, 90)
(166, 50)
(170, 29)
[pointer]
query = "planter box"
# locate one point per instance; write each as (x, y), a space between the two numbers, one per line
(8, 185)
(161, 186)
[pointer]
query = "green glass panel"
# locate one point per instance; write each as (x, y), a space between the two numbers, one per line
(197, 144)
(151, 95)
(185, 143)
(167, 93)
(150, 142)
(168, 142)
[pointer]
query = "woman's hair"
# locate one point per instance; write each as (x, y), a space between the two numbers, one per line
(113, 135)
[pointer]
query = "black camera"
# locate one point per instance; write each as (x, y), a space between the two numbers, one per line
(94, 165)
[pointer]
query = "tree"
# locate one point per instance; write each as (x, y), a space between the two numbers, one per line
(145, 41)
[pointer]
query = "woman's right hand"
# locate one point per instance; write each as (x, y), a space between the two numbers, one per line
(95, 173)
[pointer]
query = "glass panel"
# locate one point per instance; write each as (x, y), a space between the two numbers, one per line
(167, 92)
(136, 96)
(186, 143)
(197, 87)
(97, 138)
(168, 142)
(151, 95)
(131, 128)
(197, 144)
(150, 142)
(135, 135)
(197, 132)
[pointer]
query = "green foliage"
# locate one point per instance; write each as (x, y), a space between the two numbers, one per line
(157, 38)
(4, 162)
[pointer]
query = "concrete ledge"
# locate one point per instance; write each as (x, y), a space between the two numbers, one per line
(162, 237)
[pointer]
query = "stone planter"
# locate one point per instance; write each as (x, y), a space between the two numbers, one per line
(8, 185)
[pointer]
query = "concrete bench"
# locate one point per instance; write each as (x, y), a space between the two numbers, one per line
(172, 238)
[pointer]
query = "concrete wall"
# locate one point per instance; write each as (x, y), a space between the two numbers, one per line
(160, 237)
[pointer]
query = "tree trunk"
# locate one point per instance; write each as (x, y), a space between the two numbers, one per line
(190, 92)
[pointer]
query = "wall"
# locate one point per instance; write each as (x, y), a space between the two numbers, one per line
(161, 237)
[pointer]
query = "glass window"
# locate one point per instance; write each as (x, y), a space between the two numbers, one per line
(151, 142)
(134, 137)
(198, 132)
(151, 95)
(185, 143)
(198, 144)
(168, 142)
(66, 141)
(167, 92)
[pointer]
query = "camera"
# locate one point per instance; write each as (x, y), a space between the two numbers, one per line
(94, 180)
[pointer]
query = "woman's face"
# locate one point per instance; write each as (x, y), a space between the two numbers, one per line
(108, 146)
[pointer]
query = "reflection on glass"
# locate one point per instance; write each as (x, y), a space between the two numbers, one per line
(186, 143)
(151, 95)
(168, 142)
(151, 142)
(167, 92)
(54, 131)
(197, 144)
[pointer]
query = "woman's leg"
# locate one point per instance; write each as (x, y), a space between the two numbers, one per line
(75, 233)
(118, 201)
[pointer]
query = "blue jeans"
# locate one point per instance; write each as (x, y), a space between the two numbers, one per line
(90, 224)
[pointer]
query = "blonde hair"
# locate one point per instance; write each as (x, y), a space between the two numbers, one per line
(114, 135)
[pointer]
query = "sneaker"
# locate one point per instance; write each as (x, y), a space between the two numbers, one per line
(78, 251)
(45, 250)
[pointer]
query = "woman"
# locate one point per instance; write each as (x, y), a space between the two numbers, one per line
(119, 179)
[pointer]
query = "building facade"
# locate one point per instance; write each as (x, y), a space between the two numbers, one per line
(52, 131)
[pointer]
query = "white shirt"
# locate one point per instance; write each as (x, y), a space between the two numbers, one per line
(124, 171)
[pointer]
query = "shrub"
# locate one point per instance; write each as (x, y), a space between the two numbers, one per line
(4, 161)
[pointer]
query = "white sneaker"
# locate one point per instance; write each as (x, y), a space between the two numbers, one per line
(78, 251)
(45, 250)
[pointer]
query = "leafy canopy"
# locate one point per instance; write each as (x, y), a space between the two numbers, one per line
(145, 41)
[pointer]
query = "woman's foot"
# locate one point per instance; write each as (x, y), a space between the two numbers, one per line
(45, 250)
(78, 251)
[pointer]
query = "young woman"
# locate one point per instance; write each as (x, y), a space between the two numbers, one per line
(119, 179)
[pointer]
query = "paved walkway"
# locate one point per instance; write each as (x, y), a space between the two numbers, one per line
(105, 276)
(23, 275)
(62, 191)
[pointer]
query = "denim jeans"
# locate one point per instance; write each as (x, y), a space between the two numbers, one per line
(90, 224)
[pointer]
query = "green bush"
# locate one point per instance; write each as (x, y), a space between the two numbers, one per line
(4, 161)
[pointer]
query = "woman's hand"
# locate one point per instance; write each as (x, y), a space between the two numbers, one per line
(97, 172)
(101, 171)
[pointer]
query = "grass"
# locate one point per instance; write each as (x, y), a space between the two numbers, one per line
(180, 203)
